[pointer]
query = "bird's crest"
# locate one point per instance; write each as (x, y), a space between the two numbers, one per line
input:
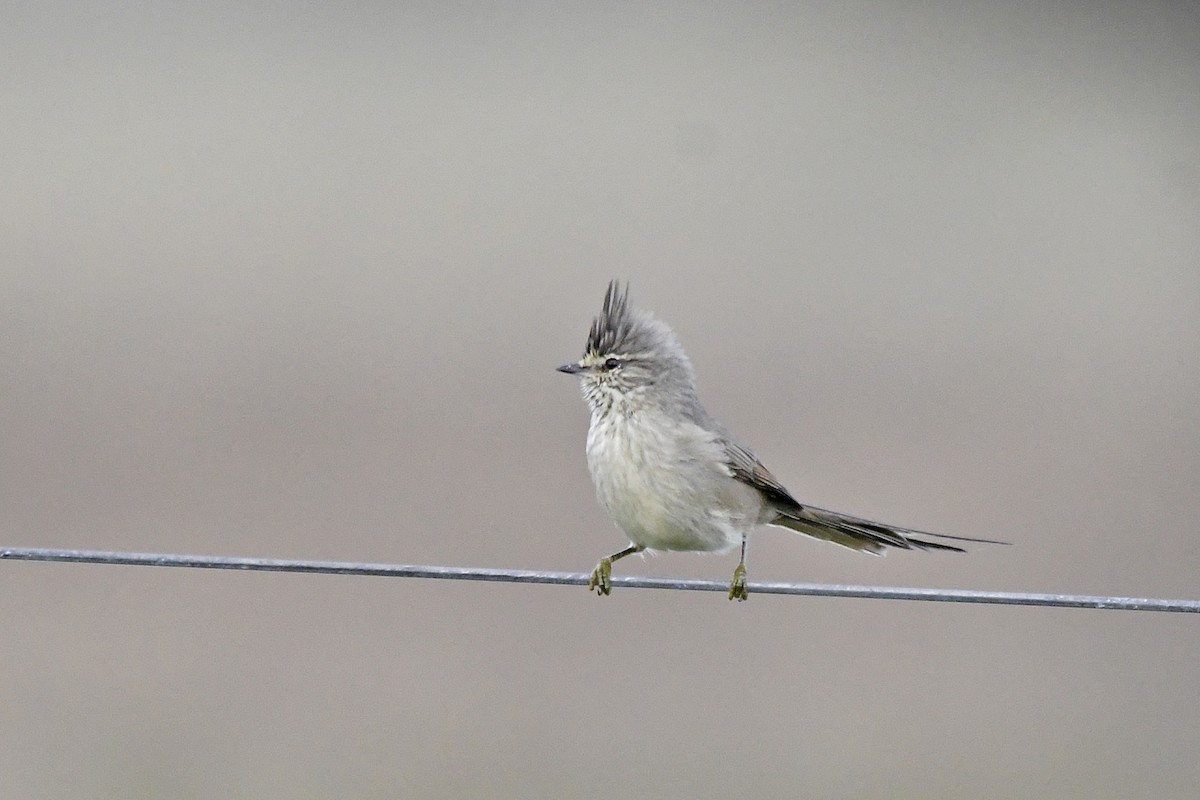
(611, 330)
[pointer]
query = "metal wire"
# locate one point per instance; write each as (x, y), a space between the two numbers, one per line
(581, 579)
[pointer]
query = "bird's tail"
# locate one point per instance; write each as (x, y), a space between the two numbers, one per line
(863, 534)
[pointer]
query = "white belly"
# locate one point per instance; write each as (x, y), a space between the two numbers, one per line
(668, 492)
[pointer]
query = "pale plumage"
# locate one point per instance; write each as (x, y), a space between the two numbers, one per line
(671, 476)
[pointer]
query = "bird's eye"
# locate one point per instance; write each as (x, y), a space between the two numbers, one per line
(612, 363)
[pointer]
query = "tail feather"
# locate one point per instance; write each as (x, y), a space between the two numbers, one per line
(863, 534)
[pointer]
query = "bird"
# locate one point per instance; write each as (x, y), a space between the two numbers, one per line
(674, 478)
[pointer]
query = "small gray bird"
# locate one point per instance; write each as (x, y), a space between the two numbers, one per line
(671, 476)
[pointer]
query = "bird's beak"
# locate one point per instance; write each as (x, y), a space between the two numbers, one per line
(570, 369)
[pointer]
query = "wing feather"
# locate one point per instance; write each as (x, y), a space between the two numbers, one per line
(849, 531)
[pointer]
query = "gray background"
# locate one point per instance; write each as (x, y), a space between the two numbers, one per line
(291, 280)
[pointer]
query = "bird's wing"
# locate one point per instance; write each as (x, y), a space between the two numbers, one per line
(746, 467)
(843, 529)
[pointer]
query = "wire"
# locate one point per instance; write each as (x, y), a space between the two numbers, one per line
(581, 579)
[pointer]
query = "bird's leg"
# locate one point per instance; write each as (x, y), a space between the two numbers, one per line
(601, 579)
(737, 589)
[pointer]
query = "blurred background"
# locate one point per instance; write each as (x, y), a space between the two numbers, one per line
(291, 279)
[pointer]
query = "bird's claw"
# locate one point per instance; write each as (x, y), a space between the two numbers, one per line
(601, 579)
(737, 588)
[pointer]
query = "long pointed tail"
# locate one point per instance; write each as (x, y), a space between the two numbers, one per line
(863, 534)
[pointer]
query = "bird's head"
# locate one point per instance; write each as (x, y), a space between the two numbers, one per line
(631, 359)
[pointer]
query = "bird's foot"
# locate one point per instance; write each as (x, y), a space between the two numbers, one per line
(601, 579)
(737, 588)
